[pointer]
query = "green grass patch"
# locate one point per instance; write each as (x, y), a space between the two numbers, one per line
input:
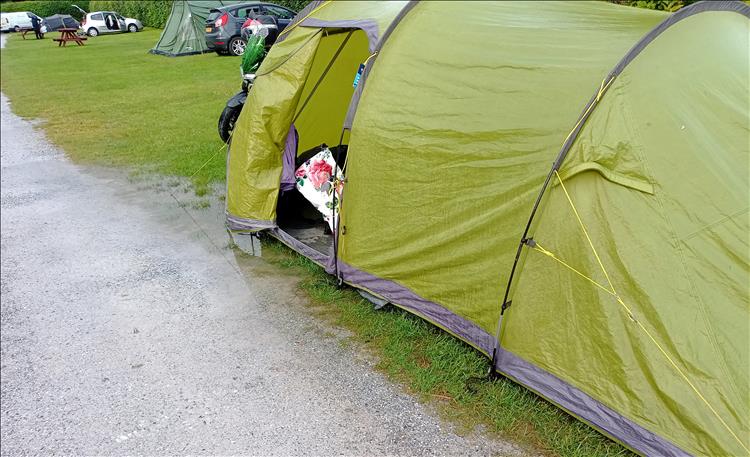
(110, 102)
(443, 370)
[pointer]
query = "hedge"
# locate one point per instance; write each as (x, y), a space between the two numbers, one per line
(154, 13)
(46, 8)
(661, 5)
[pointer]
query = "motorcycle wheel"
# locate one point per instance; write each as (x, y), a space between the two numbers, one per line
(227, 120)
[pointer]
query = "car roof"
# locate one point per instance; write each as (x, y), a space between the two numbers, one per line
(236, 5)
(224, 9)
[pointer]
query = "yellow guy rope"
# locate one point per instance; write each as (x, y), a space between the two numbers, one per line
(611, 290)
(293, 26)
(212, 157)
(602, 88)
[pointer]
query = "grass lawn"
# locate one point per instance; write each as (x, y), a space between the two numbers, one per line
(110, 102)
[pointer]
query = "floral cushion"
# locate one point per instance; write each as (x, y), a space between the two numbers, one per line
(315, 181)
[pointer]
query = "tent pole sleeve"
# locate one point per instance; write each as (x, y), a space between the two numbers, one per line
(524, 239)
(337, 209)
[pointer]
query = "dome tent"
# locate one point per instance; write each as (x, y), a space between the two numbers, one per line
(59, 21)
(623, 298)
(184, 33)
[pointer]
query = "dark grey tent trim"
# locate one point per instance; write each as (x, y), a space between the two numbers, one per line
(369, 26)
(170, 54)
(299, 17)
(241, 224)
(571, 399)
(543, 383)
(302, 248)
(407, 299)
(584, 407)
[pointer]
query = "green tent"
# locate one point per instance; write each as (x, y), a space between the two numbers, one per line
(562, 185)
(184, 33)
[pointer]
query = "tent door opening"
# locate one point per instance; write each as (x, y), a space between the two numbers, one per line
(298, 217)
(318, 121)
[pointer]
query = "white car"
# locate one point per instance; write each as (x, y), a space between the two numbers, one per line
(16, 21)
(109, 22)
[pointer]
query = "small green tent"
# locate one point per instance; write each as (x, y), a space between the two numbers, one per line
(184, 33)
(562, 185)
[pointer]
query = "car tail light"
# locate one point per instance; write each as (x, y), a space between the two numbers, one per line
(83, 21)
(222, 21)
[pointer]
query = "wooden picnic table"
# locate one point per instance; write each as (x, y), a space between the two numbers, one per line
(23, 31)
(69, 34)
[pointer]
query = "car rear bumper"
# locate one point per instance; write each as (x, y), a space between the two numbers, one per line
(218, 38)
(216, 42)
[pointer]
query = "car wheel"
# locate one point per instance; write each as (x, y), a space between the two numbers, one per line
(92, 32)
(132, 28)
(227, 120)
(237, 46)
(16, 29)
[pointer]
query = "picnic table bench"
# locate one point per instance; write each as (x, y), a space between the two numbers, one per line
(69, 34)
(24, 30)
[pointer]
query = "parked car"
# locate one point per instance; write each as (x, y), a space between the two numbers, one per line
(223, 25)
(16, 21)
(109, 22)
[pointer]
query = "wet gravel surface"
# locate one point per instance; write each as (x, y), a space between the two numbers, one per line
(127, 329)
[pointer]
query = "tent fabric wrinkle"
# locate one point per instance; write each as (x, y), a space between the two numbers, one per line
(636, 325)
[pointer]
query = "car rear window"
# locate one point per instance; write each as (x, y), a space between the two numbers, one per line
(97, 17)
(213, 15)
(279, 12)
(247, 11)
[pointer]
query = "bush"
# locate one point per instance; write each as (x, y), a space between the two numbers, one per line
(46, 8)
(295, 5)
(661, 5)
(153, 13)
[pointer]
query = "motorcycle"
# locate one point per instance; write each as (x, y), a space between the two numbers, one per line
(255, 51)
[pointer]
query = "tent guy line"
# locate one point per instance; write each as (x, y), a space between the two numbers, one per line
(534, 244)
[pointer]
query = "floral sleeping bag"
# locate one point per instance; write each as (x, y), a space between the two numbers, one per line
(315, 181)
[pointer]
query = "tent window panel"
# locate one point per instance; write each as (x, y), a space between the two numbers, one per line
(328, 89)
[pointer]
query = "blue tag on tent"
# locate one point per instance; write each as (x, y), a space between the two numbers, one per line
(358, 76)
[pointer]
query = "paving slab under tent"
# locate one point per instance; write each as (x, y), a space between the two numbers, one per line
(562, 185)
(184, 33)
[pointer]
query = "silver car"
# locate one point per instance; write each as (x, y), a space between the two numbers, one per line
(109, 22)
